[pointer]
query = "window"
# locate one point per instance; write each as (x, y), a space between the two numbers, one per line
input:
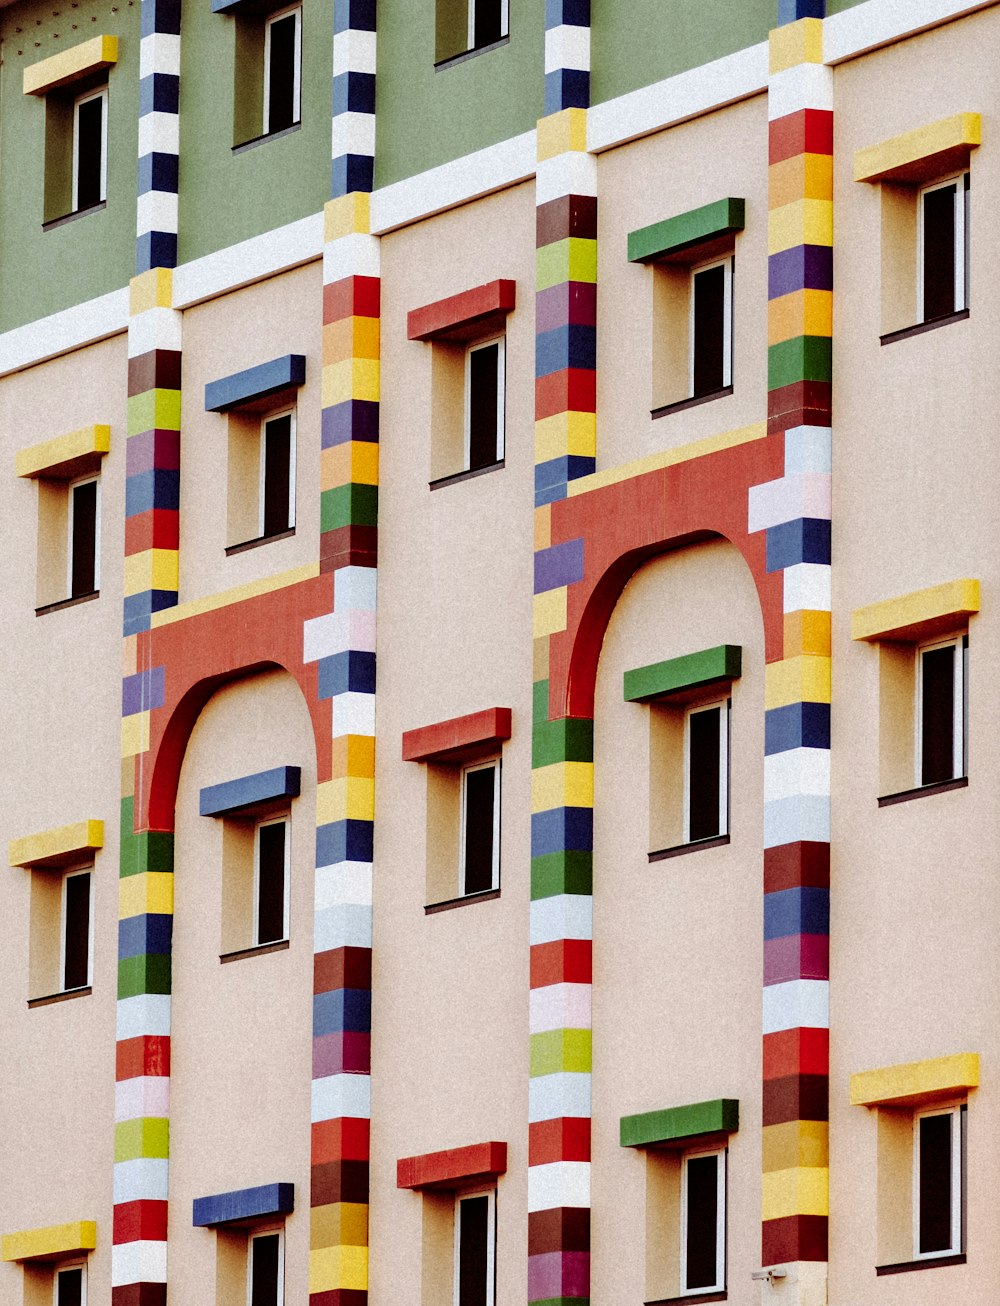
(465, 25)
(484, 404)
(943, 245)
(706, 772)
(90, 149)
(711, 328)
(475, 1249)
(261, 476)
(282, 70)
(938, 1164)
(488, 21)
(703, 1222)
(277, 474)
(266, 1268)
(76, 934)
(941, 676)
(271, 882)
(70, 1285)
(61, 943)
(83, 544)
(480, 850)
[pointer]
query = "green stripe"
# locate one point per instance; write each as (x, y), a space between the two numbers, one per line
(348, 505)
(149, 973)
(688, 672)
(686, 230)
(722, 1115)
(153, 850)
(154, 410)
(148, 1137)
(570, 739)
(572, 259)
(560, 1050)
(806, 358)
(553, 874)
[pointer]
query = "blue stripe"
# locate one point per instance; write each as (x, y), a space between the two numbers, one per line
(344, 841)
(342, 1010)
(562, 564)
(352, 172)
(354, 15)
(353, 93)
(159, 93)
(158, 488)
(567, 13)
(155, 249)
(139, 607)
(140, 936)
(563, 829)
(790, 11)
(796, 911)
(163, 16)
(567, 88)
(804, 540)
(797, 725)
(352, 671)
(158, 172)
(573, 345)
(352, 419)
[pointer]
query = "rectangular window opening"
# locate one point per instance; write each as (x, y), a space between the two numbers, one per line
(70, 1286)
(941, 711)
(711, 328)
(475, 1249)
(77, 931)
(943, 248)
(277, 474)
(706, 772)
(282, 70)
(703, 1222)
(938, 1182)
(488, 22)
(266, 1268)
(480, 826)
(271, 882)
(90, 149)
(484, 404)
(84, 538)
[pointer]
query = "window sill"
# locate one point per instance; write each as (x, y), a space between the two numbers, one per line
(468, 475)
(261, 950)
(454, 59)
(923, 791)
(66, 603)
(467, 899)
(679, 407)
(64, 996)
(72, 217)
(925, 1263)
(891, 337)
(262, 140)
(691, 1299)
(716, 841)
(256, 543)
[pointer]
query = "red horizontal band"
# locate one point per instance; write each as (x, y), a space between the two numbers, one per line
(345, 1139)
(142, 1221)
(461, 314)
(352, 297)
(809, 131)
(450, 741)
(796, 1052)
(564, 961)
(146, 1055)
(452, 1168)
(565, 1139)
(573, 390)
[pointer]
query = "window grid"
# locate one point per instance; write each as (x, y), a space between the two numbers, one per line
(76, 935)
(69, 1286)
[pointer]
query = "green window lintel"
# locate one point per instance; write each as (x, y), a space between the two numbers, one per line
(687, 230)
(690, 671)
(679, 1124)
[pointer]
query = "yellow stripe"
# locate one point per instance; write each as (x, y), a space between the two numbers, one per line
(806, 176)
(796, 1143)
(54, 1240)
(905, 616)
(153, 569)
(804, 679)
(45, 459)
(152, 289)
(338, 1267)
(564, 784)
(149, 891)
(806, 631)
(337, 1224)
(565, 433)
(347, 215)
(238, 595)
(350, 798)
(795, 1192)
(958, 134)
(805, 222)
(135, 734)
(803, 313)
(353, 463)
(562, 131)
(352, 755)
(351, 337)
(796, 43)
(543, 526)
(355, 378)
(549, 612)
(668, 458)
(916, 1080)
(57, 845)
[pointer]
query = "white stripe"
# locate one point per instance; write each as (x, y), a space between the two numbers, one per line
(787, 820)
(336, 632)
(353, 255)
(805, 495)
(346, 926)
(347, 883)
(807, 587)
(570, 173)
(159, 132)
(85, 323)
(353, 714)
(355, 587)
(808, 449)
(156, 210)
(560, 1006)
(160, 52)
(795, 772)
(145, 1178)
(564, 1094)
(567, 47)
(145, 1015)
(561, 1183)
(249, 261)
(353, 133)
(336, 1096)
(353, 52)
(156, 328)
(138, 1262)
(141, 1098)
(867, 26)
(797, 1004)
(806, 86)
(565, 916)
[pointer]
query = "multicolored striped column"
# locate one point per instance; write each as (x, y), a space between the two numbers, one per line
(794, 511)
(343, 645)
(562, 808)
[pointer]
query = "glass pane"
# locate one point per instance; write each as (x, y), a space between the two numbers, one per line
(90, 124)
(709, 330)
(935, 1183)
(473, 1261)
(281, 70)
(937, 721)
(264, 1270)
(701, 1248)
(83, 569)
(77, 941)
(271, 883)
(277, 464)
(69, 1287)
(488, 24)
(480, 789)
(483, 370)
(939, 253)
(704, 759)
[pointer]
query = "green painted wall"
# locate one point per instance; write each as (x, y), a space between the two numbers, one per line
(835, 6)
(93, 254)
(227, 197)
(432, 116)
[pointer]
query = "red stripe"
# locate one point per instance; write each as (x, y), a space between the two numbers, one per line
(345, 1139)
(351, 297)
(809, 131)
(566, 961)
(566, 1139)
(573, 390)
(146, 1055)
(796, 1052)
(159, 528)
(448, 1169)
(794, 1238)
(142, 1221)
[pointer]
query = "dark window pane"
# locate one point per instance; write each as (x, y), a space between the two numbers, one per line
(487, 26)
(704, 760)
(709, 330)
(281, 68)
(935, 1183)
(479, 799)
(277, 467)
(83, 563)
(270, 883)
(483, 377)
(90, 127)
(702, 1221)
(937, 722)
(939, 253)
(77, 925)
(264, 1270)
(473, 1217)
(70, 1287)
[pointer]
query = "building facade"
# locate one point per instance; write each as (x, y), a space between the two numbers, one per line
(626, 936)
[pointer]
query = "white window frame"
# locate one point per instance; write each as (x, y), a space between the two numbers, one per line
(260, 1233)
(720, 1220)
(70, 875)
(271, 417)
(961, 290)
(491, 1240)
(102, 95)
(70, 1265)
(504, 22)
(495, 877)
(725, 704)
(957, 1112)
(729, 264)
(286, 821)
(960, 732)
(501, 342)
(296, 65)
(83, 480)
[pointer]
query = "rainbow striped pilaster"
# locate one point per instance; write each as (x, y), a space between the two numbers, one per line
(159, 134)
(353, 97)
(794, 512)
(567, 55)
